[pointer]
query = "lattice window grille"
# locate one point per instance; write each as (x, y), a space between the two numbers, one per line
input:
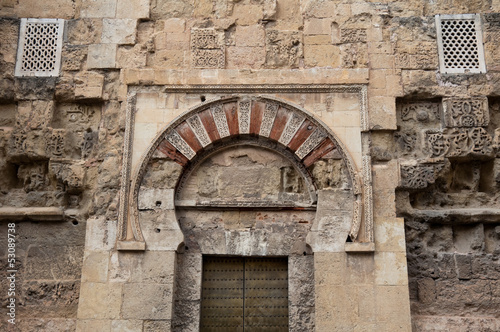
(460, 44)
(39, 48)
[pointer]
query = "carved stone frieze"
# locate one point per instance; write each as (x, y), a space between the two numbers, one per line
(291, 128)
(283, 48)
(268, 119)
(220, 120)
(81, 114)
(244, 116)
(418, 176)
(199, 130)
(466, 112)
(34, 177)
(459, 142)
(406, 141)
(88, 141)
(18, 142)
(178, 142)
(69, 175)
(420, 111)
(310, 143)
(55, 143)
(207, 48)
(352, 35)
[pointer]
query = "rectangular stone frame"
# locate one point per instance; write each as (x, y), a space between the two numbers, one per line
(366, 245)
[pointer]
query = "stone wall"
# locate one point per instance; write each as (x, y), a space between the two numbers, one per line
(62, 150)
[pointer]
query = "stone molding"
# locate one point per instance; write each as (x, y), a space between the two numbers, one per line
(188, 145)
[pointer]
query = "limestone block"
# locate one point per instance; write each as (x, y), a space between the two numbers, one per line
(156, 199)
(161, 9)
(203, 8)
(132, 9)
(322, 56)
(84, 31)
(95, 266)
(332, 222)
(100, 234)
(248, 14)
(245, 57)
(130, 57)
(89, 85)
(389, 234)
(161, 231)
(143, 267)
(157, 325)
(101, 56)
(336, 308)
(317, 39)
(250, 36)
(392, 303)
(64, 9)
(147, 301)
(73, 57)
(119, 31)
(315, 26)
(329, 268)
(43, 324)
(44, 262)
(390, 268)
(175, 25)
(100, 300)
(382, 113)
(98, 8)
(92, 325)
(169, 59)
(128, 325)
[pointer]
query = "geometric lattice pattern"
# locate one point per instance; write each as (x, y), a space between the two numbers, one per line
(460, 43)
(39, 49)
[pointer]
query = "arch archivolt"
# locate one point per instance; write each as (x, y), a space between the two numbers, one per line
(261, 121)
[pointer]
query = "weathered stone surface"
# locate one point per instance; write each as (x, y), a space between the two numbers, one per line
(155, 301)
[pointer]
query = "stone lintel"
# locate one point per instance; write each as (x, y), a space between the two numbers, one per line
(131, 245)
(360, 247)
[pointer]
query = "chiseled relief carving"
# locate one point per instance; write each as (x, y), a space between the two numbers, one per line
(420, 111)
(207, 48)
(310, 143)
(18, 142)
(466, 112)
(459, 142)
(352, 35)
(220, 120)
(244, 116)
(176, 140)
(34, 177)
(81, 114)
(291, 128)
(199, 130)
(55, 144)
(268, 119)
(87, 144)
(418, 176)
(406, 141)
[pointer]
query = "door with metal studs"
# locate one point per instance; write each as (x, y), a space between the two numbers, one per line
(244, 294)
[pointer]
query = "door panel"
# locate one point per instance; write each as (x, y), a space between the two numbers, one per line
(244, 294)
